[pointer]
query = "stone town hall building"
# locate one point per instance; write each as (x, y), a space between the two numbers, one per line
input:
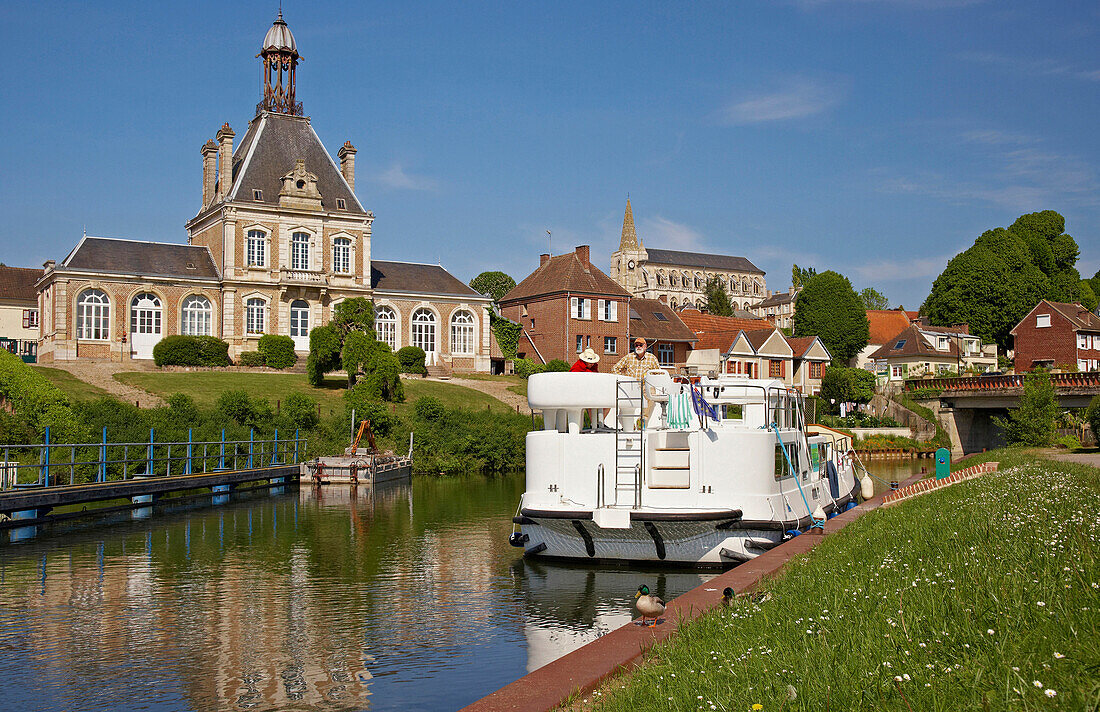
(280, 238)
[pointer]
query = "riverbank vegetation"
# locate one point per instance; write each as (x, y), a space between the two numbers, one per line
(980, 596)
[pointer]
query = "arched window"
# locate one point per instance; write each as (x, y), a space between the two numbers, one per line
(423, 329)
(756, 287)
(673, 303)
(687, 280)
(745, 285)
(198, 316)
(299, 250)
(734, 284)
(341, 255)
(462, 333)
(93, 315)
(673, 279)
(660, 279)
(698, 281)
(385, 323)
(257, 248)
(255, 312)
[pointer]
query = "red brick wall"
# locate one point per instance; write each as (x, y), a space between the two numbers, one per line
(1057, 342)
(555, 331)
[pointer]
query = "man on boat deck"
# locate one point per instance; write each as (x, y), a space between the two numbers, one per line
(636, 365)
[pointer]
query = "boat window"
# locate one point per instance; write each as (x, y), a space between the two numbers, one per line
(733, 411)
(782, 468)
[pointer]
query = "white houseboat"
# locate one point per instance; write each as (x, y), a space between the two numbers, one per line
(705, 472)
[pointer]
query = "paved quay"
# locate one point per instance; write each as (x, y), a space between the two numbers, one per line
(584, 669)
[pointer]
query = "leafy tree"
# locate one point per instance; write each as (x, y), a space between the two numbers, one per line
(326, 343)
(718, 302)
(1095, 283)
(1088, 299)
(1092, 415)
(991, 286)
(847, 385)
(828, 307)
(801, 275)
(1033, 422)
(874, 299)
(494, 284)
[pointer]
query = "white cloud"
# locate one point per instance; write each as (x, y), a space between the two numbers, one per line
(800, 97)
(396, 177)
(1042, 67)
(667, 234)
(882, 271)
(995, 137)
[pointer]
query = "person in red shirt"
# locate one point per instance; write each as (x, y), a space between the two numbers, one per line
(588, 362)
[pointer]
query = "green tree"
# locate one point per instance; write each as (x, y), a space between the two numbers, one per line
(801, 275)
(874, 299)
(1088, 300)
(1095, 283)
(718, 302)
(990, 286)
(494, 284)
(828, 307)
(1033, 422)
(847, 385)
(1092, 415)
(326, 343)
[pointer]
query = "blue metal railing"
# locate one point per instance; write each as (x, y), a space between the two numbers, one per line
(54, 464)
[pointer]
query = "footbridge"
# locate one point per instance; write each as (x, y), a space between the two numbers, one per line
(967, 405)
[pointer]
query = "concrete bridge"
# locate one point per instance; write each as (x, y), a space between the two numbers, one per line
(968, 405)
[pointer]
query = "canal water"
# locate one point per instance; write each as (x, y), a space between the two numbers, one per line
(409, 598)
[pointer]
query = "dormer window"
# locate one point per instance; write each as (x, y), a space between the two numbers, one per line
(257, 194)
(341, 204)
(941, 343)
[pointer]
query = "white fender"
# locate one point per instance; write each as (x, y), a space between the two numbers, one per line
(866, 487)
(819, 514)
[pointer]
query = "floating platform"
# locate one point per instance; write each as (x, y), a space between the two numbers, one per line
(361, 468)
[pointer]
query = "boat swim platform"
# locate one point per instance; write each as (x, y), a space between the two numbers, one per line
(41, 499)
(621, 650)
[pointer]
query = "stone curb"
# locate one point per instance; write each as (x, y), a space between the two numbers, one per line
(928, 485)
(621, 650)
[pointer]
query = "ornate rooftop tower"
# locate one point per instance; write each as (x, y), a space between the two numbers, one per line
(280, 62)
(627, 261)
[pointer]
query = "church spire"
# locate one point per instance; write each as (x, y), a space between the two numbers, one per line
(629, 240)
(280, 63)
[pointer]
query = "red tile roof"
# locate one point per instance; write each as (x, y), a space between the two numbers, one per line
(17, 283)
(718, 332)
(800, 345)
(886, 324)
(565, 273)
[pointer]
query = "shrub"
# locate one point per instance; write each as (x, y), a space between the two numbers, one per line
(251, 359)
(278, 351)
(236, 405)
(369, 408)
(324, 353)
(924, 393)
(1067, 441)
(179, 350)
(411, 359)
(556, 366)
(429, 408)
(301, 410)
(525, 367)
(37, 401)
(1033, 422)
(1092, 415)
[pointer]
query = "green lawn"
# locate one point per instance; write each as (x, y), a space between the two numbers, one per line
(72, 386)
(206, 386)
(515, 383)
(980, 596)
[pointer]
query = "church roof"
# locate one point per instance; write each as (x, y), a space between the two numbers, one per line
(406, 277)
(17, 283)
(629, 239)
(701, 260)
(138, 257)
(268, 151)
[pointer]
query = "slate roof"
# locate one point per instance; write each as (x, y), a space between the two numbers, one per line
(565, 273)
(417, 278)
(138, 257)
(915, 345)
(268, 151)
(776, 300)
(645, 322)
(701, 260)
(886, 324)
(17, 283)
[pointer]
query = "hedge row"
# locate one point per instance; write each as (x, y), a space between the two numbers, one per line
(37, 401)
(181, 350)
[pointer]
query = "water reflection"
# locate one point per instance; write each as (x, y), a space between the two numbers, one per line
(404, 598)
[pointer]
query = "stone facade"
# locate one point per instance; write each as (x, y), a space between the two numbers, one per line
(680, 277)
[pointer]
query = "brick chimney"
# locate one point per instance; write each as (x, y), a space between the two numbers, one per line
(582, 254)
(225, 159)
(209, 171)
(347, 163)
(962, 327)
(543, 259)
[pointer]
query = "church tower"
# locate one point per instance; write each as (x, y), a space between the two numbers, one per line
(627, 261)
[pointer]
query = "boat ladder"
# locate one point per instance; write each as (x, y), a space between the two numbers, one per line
(629, 453)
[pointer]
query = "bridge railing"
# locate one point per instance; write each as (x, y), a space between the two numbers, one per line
(50, 464)
(1090, 379)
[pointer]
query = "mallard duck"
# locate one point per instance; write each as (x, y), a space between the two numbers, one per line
(727, 597)
(649, 606)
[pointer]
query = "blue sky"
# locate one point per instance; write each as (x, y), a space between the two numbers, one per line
(874, 137)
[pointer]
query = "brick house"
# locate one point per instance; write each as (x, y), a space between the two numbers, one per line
(714, 335)
(566, 306)
(279, 240)
(1057, 335)
(19, 311)
(667, 336)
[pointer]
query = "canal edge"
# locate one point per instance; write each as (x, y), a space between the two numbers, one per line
(621, 650)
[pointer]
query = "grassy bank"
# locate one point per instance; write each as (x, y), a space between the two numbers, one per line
(205, 387)
(72, 386)
(981, 596)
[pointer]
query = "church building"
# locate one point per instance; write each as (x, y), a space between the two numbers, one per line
(279, 239)
(679, 277)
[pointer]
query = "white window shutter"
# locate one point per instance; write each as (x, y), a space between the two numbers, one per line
(614, 311)
(600, 308)
(573, 309)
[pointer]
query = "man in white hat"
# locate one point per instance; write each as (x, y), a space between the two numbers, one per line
(588, 362)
